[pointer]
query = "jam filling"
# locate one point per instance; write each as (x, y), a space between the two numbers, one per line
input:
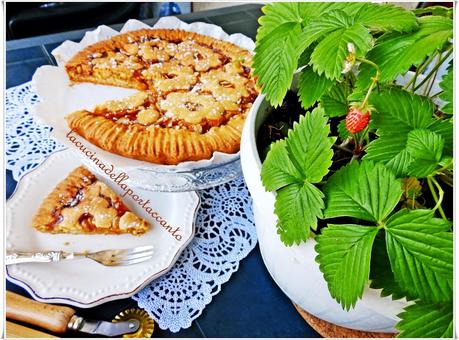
(120, 207)
(86, 220)
(75, 197)
(137, 75)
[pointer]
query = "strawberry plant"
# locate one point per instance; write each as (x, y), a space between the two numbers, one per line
(367, 170)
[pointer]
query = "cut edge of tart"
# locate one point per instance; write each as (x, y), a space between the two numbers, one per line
(81, 204)
(135, 128)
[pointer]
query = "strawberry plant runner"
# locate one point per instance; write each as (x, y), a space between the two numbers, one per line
(366, 169)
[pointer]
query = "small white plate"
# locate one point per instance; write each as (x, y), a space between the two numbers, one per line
(85, 283)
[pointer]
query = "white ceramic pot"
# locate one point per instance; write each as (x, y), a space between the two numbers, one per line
(294, 269)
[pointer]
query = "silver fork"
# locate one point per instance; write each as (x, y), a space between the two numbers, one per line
(110, 257)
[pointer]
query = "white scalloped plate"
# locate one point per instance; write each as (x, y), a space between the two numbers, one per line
(85, 283)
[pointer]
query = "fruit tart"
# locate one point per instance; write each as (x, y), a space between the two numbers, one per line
(81, 204)
(196, 93)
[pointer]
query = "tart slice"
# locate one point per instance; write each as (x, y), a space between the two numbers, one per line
(81, 204)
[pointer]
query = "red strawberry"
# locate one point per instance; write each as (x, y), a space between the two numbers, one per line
(356, 120)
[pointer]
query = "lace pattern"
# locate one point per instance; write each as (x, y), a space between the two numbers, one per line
(225, 232)
(224, 235)
(27, 142)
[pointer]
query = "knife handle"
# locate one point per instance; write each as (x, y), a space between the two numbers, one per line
(50, 317)
(13, 330)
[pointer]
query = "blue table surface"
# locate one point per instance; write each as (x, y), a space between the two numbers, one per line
(250, 304)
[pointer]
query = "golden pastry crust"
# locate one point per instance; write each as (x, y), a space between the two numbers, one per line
(81, 204)
(155, 144)
(198, 93)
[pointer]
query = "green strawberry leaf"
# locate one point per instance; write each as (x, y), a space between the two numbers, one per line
(276, 59)
(330, 54)
(397, 112)
(395, 52)
(368, 191)
(344, 253)
(445, 129)
(309, 146)
(298, 206)
(276, 14)
(278, 170)
(335, 102)
(420, 249)
(320, 26)
(446, 85)
(426, 147)
(435, 10)
(381, 274)
(424, 144)
(311, 10)
(281, 40)
(305, 56)
(291, 167)
(390, 150)
(312, 86)
(386, 18)
(426, 320)
(401, 111)
(356, 96)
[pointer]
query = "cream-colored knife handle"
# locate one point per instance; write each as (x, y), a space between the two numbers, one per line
(50, 317)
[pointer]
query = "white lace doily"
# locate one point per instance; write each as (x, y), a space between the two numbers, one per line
(225, 232)
(27, 142)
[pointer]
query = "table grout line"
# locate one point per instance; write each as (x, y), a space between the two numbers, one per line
(12, 63)
(200, 329)
(253, 15)
(48, 55)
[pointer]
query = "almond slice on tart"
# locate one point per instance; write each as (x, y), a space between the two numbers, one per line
(81, 204)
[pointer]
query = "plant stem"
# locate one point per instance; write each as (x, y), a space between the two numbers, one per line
(356, 144)
(419, 70)
(434, 70)
(341, 147)
(438, 199)
(432, 81)
(446, 166)
(375, 79)
(436, 94)
(446, 179)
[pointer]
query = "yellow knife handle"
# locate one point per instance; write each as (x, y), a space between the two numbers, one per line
(50, 317)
